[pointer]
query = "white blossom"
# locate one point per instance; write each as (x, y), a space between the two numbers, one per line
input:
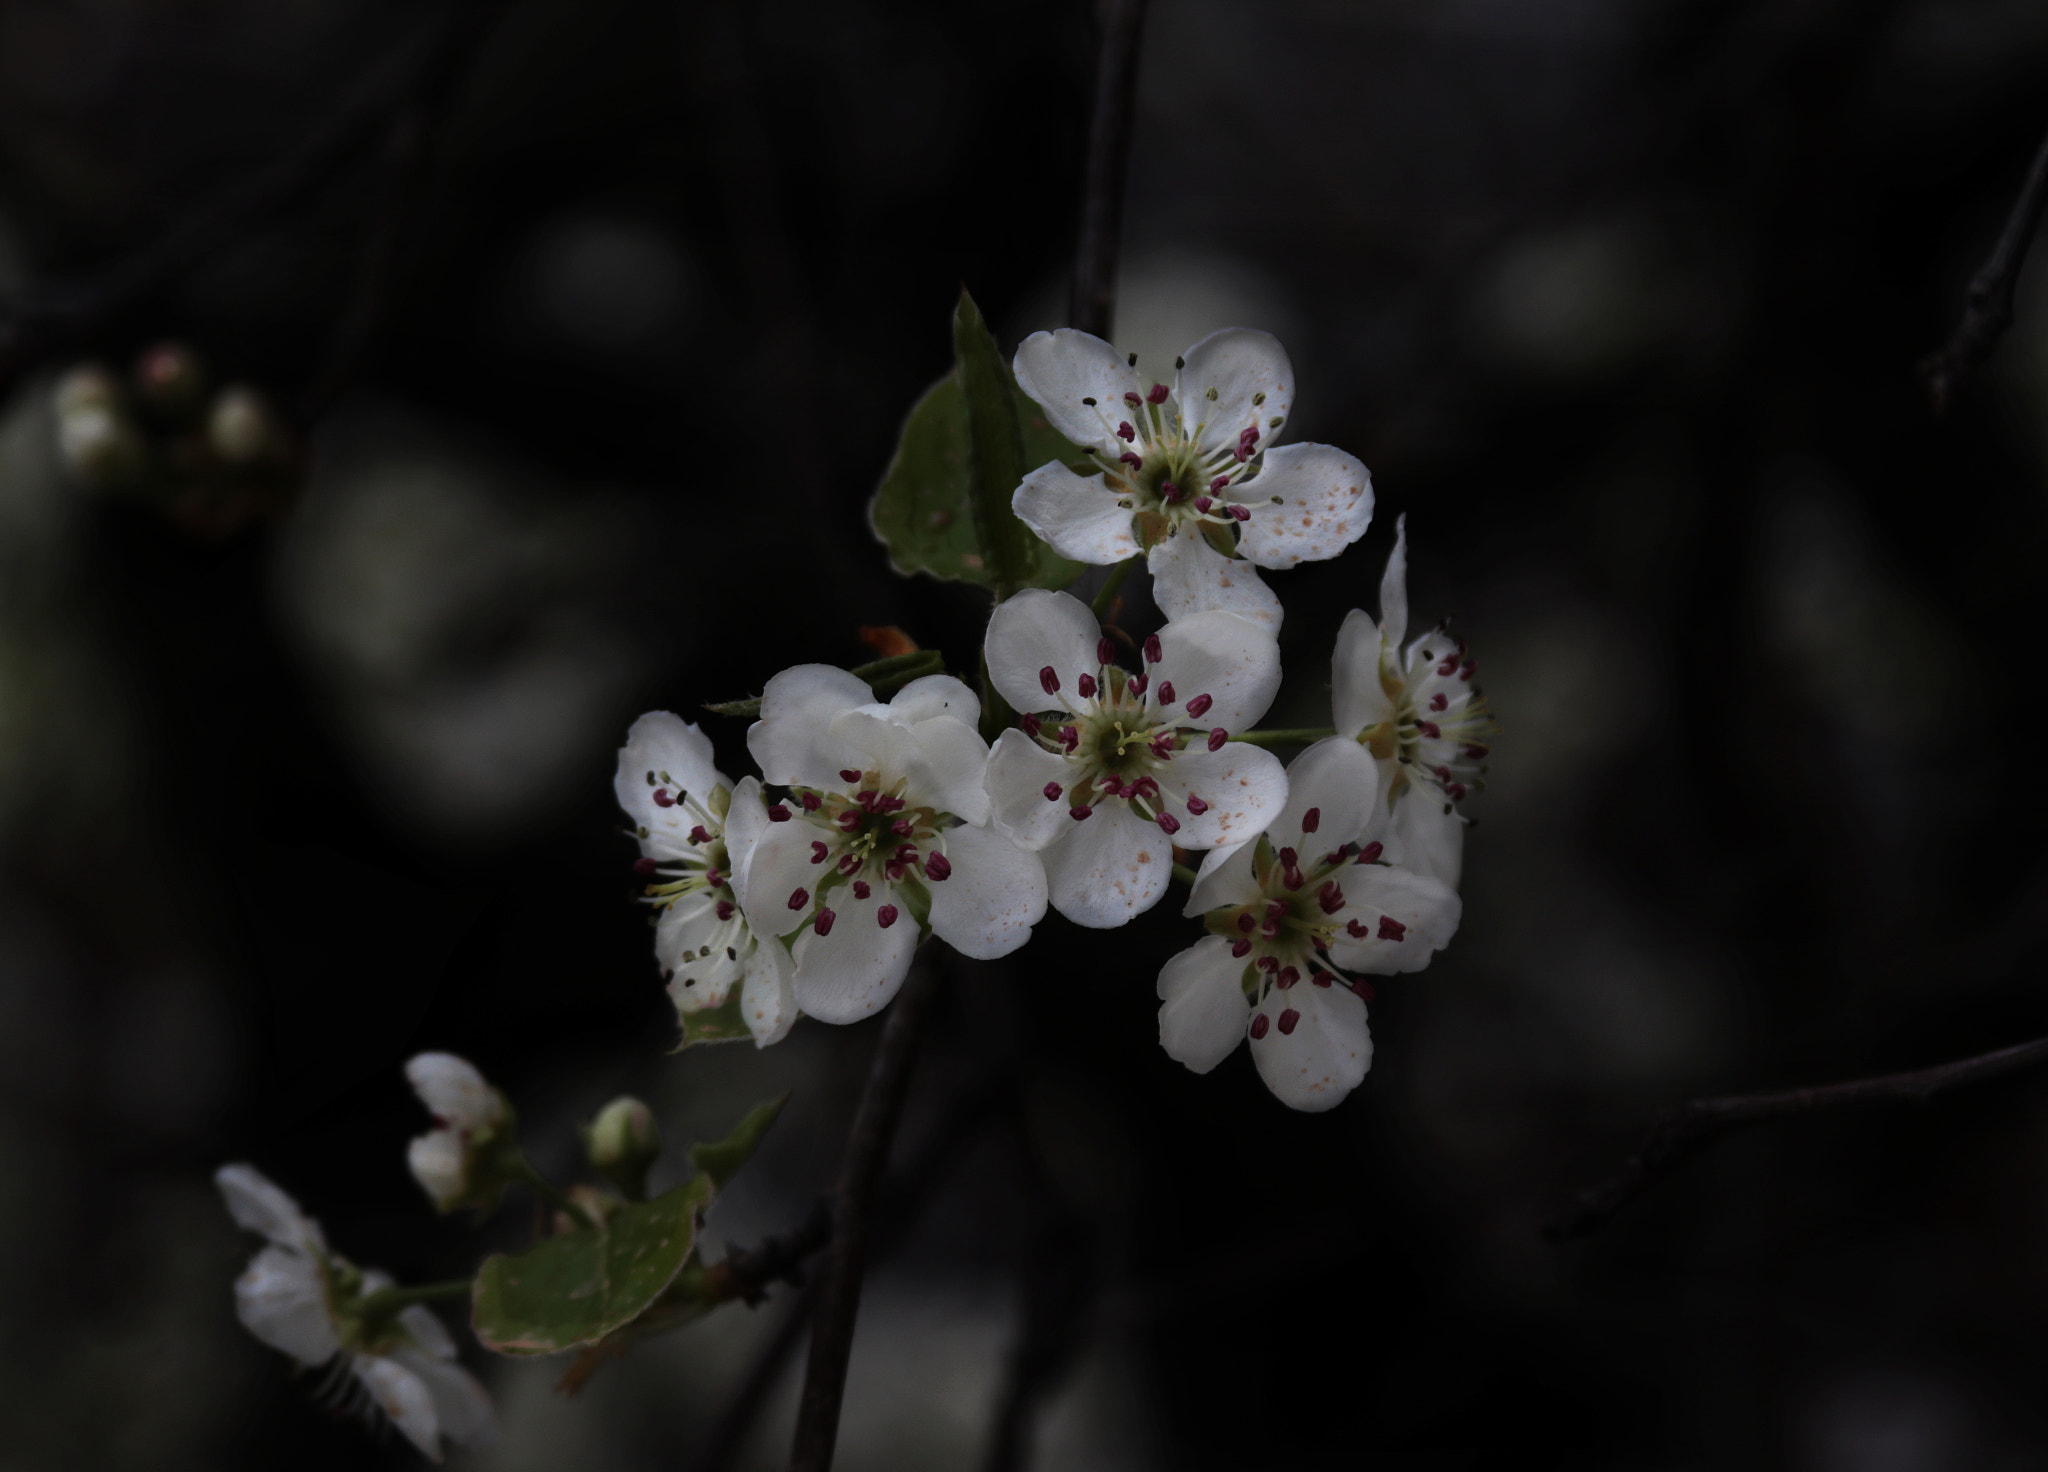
(884, 835)
(1418, 712)
(1289, 916)
(1110, 769)
(696, 832)
(1185, 472)
(468, 1113)
(299, 1297)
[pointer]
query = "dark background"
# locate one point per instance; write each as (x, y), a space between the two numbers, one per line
(1620, 301)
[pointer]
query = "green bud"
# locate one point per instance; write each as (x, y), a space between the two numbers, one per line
(623, 1143)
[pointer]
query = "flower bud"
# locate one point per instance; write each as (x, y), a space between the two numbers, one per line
(460, 1162)
(623, 1143)
(240, 427)
(99, 446)
(169, 380)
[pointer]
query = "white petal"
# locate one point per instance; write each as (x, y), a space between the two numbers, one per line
(260, 1205)
(440, 1163)
(1080, 516)
(935, 695)
(1422, 836)
(1394, 588)
(853, 972)
(1232, 660)
(868, 736)
(995, 894)
(1039, 630)
(1189, 576)
(792, 742)
(1239, 363)
(1109, 867)
(1357, 699)
(780, 866)
(1243, 786)
(1018, 771)
(1426, 908)
(663, 743)
(697, 980)
(402, 1395)
(948, 761)
(1202, 1006)
(281, 1299)
(427, 1331)
(1326, 505)
(1225, 878)
(746, 819)
(454, 1092)
(1339, 779)
(1060, 369)
(768, 1000)
(461, 1405)
(1326, 1054)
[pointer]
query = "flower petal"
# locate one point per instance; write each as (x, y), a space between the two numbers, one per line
(453, 1091)
(792, 742)
(1081, 516)
(427, 1331)
(1231, 659)
(1323, 1056)
(1325, 505)
(931, 696)
(853, 972)
(993, 897)
(1243, 788)
(1108, 868)
(1060, 369)
(768, 1000)
(1202, 1006)
(780, 866)
(948, 760)
(1239, 363)
(1357, 699)
(440, 1163)
(402, 1395)
(1032, 631)
(746, 819)
(1425, 910)
(1394, 588)
(664, 753)
(1225, 878)
(1019, 771)
(1189, 576)
(698, 953)
(259, 1205)
(1340, 780)
(1421, 835)
(461, 1405)
(281, 1299)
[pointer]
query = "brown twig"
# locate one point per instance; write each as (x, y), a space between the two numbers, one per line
(1988, 309)
(867, 1152)
(1685, 1131)
(1093, 307)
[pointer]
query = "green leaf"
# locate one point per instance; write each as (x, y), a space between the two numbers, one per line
(751, 706)
(721, 1160)
(578, 1287)
(995, 462)
(924, 511)
(887, 676)
(725, 1023)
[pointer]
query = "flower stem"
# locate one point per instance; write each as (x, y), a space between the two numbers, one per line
(1184, 874)
(549, 1192)
(1106, 595)
(1299, 736)
(390, 1300)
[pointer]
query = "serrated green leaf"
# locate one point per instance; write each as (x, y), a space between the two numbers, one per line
(725, 1023)
(578, 1287)
(721, 1159)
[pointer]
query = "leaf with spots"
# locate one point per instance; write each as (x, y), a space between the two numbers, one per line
(578, 1287)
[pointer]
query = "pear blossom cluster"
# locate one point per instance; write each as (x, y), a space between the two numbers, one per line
(1126, 762)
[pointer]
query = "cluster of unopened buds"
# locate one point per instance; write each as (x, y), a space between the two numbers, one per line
(876, 823)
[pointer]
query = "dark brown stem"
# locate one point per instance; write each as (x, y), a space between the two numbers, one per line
(867, 1152)
(1685, 1131)
(1988, 310)
(1093, 308)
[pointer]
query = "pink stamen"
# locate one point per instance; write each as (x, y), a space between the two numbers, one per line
(818, 851)
(1049, 680)
(1240, 513)
(1152, 649)
(1157, 394)
(1199, 707)
(1085, 686)
(644, 866)
(1287, 1021)
(1052, 792)
(861, 889)
(1135, 461)
(849, 775)
(1166, 692)
(886, 916)
(798, 898)
(1217, 737)
(778, 814)
(1079, 813)
(1370, 854)
(1030, 724)
(1311, 820)
(1392, 929)
(823, 924)
(1260, 1022)
(1125, 432)
(937, 867)
(1168, 824)
(662, 799)
(1288, 977)
(1196, 805)
(811, 801)
(700, 834)
(1240, 948)
(1105, 650)
(726, 909)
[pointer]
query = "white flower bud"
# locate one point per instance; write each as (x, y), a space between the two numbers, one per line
(240, 427)
(453, 1162)
(623, 1143)
(440, 1164)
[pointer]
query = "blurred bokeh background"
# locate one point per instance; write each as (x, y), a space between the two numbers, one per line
(580, 366)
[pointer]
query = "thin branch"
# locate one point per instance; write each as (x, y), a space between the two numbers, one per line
(867, 1152)
(1093, 307)
(1687, 1130)
(1989, 306)
(747, 1275)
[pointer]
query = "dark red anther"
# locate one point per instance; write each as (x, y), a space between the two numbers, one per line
(1370, 854)
(1392, 929)
(1070, 739)
(1169, 493)
(1217, 737)
(1240, 948)
(1137, 684)
(1049, 680)
(1162, 745)
(1240, 513)
(1156, 394)
(1132, 398)
(1105, 650)
(848, 863)
(1358, 930)
(644, 866)
(823, 924)
(1289, 859)
(1477, 752)
(862, 889)
(906, 851)
(713, 879)
(1276, 909)
(818, 851)
(1079, 812)
(1270, 930)
(662, 799)
(1219, 483)
(1468, 669)
(1449, 667)
(1288, 977)
(727, 909)
(866, 798)
(1364, 989)
(798, 898)
(1430, 729)
(1132, 459)
(1288, 1019)
(1246, 922)
(848, 775)
(700, 834)
(1167, 694)
(1319, 978)
(1268, 964)
(1052, 792)
(1199, 707)
(1439, 701)
(1455, 791)
(1144, 787)
(1196, 805)
(903, 827)
(1125, 432)
(894, 869)
(1330, 898)
(1085, 686)
(1152, 650)
(778, 814)
(811, 801)
(1168, 824)
(886, 916)
(849, 821)
(1260, 1022)
(1442, 774)
(1311, 820)
(1030, 723)
(937, 866)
